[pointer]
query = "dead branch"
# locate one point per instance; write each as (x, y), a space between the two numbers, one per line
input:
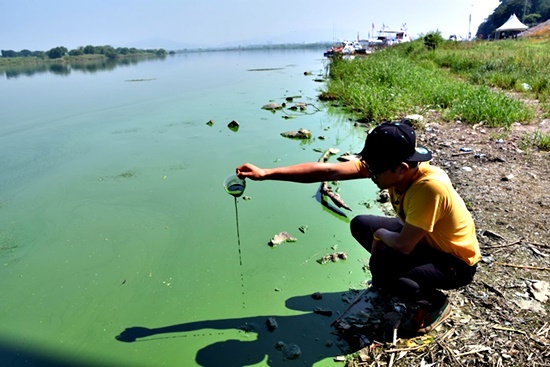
(539, 244)
(503, 328)
(394, 343)
(325, 190)
(523, 266)
(489, 233)
(501, 246)
(461, 153)
(491, 288)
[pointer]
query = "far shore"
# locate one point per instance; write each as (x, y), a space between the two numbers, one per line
(67, 59)
(33, 60)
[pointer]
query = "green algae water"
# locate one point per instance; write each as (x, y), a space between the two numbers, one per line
(117, 241)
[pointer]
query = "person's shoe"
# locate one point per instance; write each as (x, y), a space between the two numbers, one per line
(423, 321)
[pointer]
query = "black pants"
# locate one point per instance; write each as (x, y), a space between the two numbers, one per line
(416, 277)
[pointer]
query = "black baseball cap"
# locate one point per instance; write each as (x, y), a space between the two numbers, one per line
(391, 143)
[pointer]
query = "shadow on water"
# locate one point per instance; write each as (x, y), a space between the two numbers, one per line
(12, 355)
(311, 332)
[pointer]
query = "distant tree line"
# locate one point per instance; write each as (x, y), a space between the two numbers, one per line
(108, 51)
(530, 12)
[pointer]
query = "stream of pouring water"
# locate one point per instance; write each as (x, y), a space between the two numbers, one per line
(238, 232)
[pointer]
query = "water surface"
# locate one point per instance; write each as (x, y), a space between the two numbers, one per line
(113, 215)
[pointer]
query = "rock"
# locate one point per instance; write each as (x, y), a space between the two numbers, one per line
(290, 351)
(317, 296)
(272, 324)
(272, 106)
(413, 120)
(334, 257)
(320, 311)
(383, 196)
(366, 125)
(300, 134)
(540, 290)
(508, 177)
(210, 123)
(302, 106)
(281, 237)
(233, 125)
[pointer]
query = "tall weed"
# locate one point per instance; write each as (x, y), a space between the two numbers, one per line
(388, 85)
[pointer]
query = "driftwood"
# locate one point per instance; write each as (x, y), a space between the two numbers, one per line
(336, 199)
(326, 155)
(325, 188)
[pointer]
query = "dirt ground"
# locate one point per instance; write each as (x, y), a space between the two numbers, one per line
(502, 318)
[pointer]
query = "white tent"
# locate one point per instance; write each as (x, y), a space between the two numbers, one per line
(511, 25)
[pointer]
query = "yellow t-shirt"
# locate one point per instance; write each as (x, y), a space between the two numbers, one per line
(431, 203)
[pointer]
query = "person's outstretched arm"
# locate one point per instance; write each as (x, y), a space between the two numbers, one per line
(303, 172)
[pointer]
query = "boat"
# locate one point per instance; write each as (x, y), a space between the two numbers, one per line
(345, 48)
(388, 36)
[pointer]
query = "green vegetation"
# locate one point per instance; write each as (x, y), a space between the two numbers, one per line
(537, 140)
(542, 141)
(468, 81)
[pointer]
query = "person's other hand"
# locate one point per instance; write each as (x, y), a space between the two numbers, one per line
(377, 246)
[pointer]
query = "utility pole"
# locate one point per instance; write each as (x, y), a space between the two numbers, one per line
(470, 28)
(470, 24)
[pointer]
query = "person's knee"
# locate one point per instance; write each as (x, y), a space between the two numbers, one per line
(360, 225)
(361, 231)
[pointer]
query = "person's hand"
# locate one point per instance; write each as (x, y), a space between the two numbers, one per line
(377, 244)
(248, 170)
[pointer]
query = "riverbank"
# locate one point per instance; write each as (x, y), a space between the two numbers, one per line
(501, 169)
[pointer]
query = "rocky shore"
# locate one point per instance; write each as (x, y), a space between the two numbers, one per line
(501, 319)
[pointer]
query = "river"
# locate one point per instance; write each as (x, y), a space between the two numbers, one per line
(113, 214)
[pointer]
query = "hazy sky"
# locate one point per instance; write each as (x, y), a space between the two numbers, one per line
(44, 24)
